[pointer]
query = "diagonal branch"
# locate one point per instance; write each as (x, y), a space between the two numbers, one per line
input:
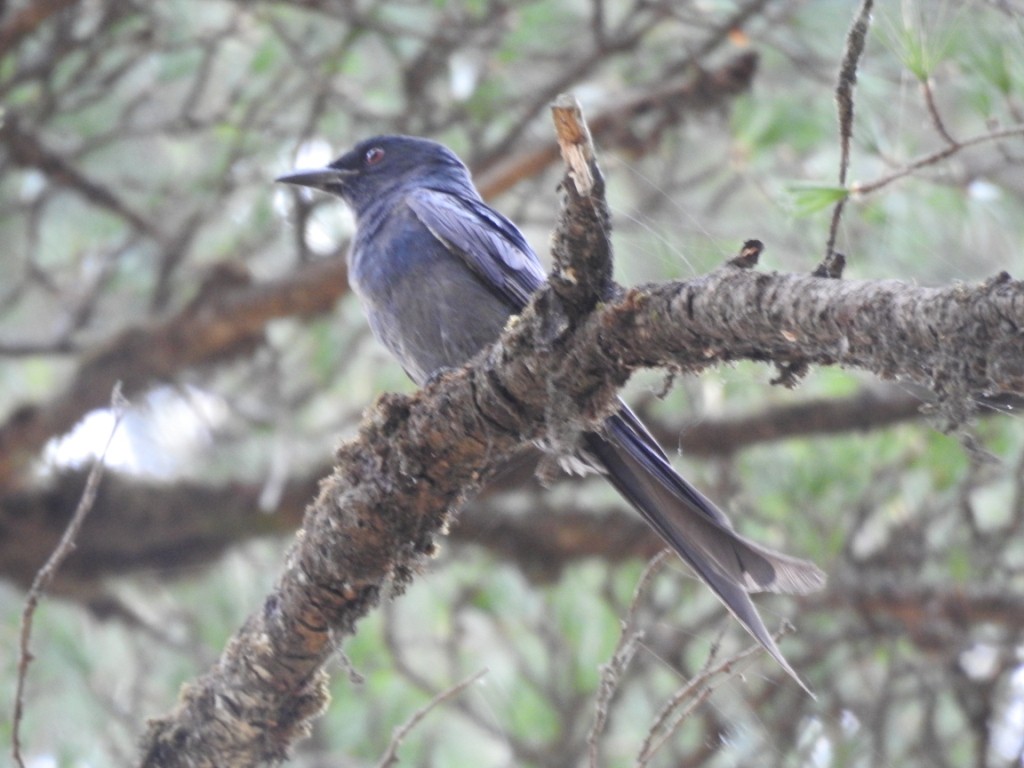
(694, 91)
(417, 458)
(26, 149)
(22, 23)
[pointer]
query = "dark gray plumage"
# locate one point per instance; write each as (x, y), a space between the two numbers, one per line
(439, 272)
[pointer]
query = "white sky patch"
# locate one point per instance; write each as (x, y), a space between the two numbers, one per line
(980, 661)
(156, 436)
(41, 761)
(328, 225)
(983, 190)
(313, 153)
(1008, 731)
(463, 74)
(85, 442)
(32, 184)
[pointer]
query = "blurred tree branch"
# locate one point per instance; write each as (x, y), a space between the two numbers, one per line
(143, 526)
(227, 318)
(26, 20)
(635, 121)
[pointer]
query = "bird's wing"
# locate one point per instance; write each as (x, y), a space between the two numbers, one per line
(489, 244)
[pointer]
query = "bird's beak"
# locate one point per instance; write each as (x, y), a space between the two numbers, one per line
(317, 178)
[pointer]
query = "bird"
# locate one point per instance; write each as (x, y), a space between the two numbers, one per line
(439, 273)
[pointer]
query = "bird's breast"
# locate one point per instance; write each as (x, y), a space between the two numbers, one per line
(423, 302)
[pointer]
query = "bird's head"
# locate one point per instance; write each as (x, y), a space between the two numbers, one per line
(380, 166)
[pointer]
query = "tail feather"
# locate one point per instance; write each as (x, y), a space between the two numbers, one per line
(697, 530)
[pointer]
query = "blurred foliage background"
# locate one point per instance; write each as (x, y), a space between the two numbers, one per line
(144, 241)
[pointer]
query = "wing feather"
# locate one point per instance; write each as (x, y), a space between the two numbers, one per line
(489, 244)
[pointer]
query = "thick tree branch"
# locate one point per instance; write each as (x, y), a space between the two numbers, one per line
(962, 342)
(139, 526)
(869, 408)
(417, 458)
(932, 615)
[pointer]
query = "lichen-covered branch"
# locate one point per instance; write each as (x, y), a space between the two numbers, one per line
(962, 342)
(417, 458)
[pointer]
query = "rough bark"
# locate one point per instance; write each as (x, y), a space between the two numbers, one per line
(418, 458)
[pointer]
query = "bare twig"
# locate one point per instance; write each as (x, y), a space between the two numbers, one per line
(696, 691)
(933, 110)
(390, 756)
(46, 574)
(648, 750)
(856, 38)
(934, 157)
(629, 642)
(695, 91)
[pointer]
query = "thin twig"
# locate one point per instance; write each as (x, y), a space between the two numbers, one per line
(934, 157)
(629, 642)
(649, 749)
(933, 110)
(856, 39)
(390, 756)
(696, 689)
(45, 575)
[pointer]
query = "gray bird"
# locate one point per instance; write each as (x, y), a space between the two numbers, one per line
(439, 272)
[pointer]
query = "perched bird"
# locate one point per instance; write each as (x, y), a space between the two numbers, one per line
(439, 272)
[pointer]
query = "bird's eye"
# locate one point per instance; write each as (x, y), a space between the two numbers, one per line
(373, 156)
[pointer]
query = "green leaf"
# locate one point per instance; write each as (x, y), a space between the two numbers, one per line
(265, 57)
(806, 199)
(920, 48)
(960, 568)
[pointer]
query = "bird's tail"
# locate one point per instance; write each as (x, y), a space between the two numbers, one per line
(697, 530)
